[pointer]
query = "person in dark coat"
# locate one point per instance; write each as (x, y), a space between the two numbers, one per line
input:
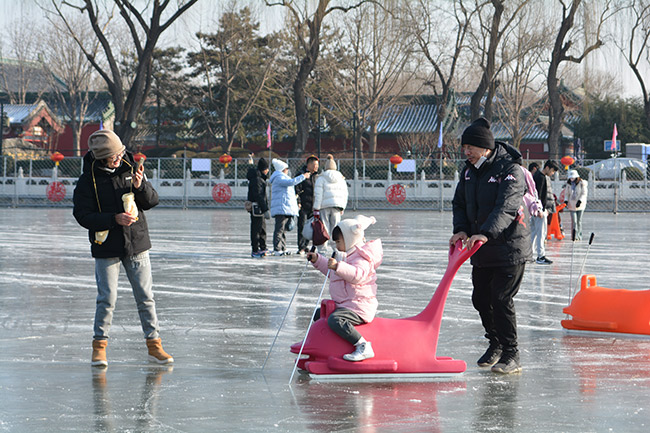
(257, 196)
(539, 224)
(109, 200)
(488, 207)
(305, 193)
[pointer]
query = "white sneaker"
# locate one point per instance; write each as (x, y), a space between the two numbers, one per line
(362, 351)
(278, 253)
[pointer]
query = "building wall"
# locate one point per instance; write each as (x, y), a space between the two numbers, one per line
(64, 141)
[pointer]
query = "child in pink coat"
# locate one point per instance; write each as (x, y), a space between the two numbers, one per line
(353, 282)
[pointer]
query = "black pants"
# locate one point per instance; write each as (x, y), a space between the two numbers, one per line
(494, 290)
(258, 233)
(303, 216)
(342, 322)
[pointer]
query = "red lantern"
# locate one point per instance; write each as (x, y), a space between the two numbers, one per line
(567, 161)
(396, 160)
(57, 157)
(225, 159)
(139, 156)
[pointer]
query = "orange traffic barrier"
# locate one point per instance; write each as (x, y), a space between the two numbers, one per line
(554, 226)
(601, 309)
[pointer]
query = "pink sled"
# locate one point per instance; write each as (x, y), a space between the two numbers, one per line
(404, 348)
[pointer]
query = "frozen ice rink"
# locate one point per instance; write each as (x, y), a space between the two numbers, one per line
(219, 311)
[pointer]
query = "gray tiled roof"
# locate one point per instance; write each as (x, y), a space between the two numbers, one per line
(17, 113)
(29, 77)
(409, 119)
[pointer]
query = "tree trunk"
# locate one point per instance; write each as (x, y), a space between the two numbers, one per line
(300, 104)
(490, 67)
(555, 111)
(372, 139)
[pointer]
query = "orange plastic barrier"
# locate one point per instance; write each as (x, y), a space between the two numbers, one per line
(601, 309)
(554, 226)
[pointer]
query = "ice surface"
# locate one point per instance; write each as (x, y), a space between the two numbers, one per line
(219, 311)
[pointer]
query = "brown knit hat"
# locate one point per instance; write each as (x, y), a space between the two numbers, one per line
(329, 163)
(104, 144)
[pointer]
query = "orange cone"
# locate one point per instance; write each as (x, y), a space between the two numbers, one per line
(554, 226)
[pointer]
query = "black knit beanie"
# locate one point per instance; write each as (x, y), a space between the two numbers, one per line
(262, 164)
(478, 134)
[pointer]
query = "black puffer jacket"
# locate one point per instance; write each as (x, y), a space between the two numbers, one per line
(122, 241)
(305, 192)
(489, 201)
(545, 191)
(257, 188)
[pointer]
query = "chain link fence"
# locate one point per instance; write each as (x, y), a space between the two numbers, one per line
(372, 184)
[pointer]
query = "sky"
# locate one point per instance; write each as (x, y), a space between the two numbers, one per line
(204, 15)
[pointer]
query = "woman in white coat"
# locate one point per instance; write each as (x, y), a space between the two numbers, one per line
(574, 195)
(330, 196)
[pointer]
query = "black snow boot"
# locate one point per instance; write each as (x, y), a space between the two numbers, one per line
(491, 355)
(509, 363)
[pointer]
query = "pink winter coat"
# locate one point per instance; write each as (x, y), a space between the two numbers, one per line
(354, 283)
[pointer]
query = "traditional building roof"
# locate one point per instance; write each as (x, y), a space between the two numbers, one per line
(421, 116)
(28, 115)
(100, 108)
(404, 119)
(23, 77)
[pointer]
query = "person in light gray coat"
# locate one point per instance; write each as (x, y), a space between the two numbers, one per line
(284, 204)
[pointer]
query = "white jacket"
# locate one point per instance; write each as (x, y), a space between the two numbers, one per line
(572, 196)
(330, 190)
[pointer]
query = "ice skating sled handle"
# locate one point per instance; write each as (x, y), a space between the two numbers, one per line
(458, 254)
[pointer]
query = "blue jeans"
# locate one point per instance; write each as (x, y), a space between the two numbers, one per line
(138, 271)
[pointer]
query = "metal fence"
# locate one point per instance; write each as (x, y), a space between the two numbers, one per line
(372, 184)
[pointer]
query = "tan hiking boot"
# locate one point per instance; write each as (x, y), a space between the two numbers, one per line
(156, 352)
(99, 353)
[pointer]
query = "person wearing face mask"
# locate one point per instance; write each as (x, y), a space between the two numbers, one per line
(574, 195)
(488, 207)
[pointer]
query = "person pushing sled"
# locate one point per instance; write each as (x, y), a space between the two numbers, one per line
(353, 282)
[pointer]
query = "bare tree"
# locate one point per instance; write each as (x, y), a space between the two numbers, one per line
(128, 101)
(488, 37)
(441, 45)
(521, 79)
(23, 74)
(419, 145)
(307, 28)
(374, 72)
(635, 47)
(567, 34)
(65, 64)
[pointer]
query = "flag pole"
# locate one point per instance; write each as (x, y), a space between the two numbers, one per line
(269, 141)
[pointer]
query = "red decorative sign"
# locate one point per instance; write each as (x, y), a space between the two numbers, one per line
(221, 193)
(396, 194)
(55, 191)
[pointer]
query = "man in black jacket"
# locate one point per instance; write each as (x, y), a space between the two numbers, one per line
(488, 207)
(538, 224)
(109, 200)
(305, 194)
(257, 196)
